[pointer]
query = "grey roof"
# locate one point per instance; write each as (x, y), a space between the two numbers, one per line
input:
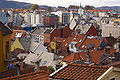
(38, 30)
(40, 47)
(83, 28)
(25, 42)
(45, 58)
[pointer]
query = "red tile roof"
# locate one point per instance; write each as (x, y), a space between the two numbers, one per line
(82, 56)
(40, 75)
(88, 41)
(73, 57)
(80, 72)
(17, 28)
(8, 73)
(95, 10)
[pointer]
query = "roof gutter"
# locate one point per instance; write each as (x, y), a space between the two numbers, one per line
(106, 73)
(58, 70)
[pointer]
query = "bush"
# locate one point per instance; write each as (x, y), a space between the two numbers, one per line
(51, 68)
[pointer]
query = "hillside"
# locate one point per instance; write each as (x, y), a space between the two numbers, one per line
(14, 4)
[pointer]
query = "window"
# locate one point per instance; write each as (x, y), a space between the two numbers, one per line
(52, 44)
(7, 49)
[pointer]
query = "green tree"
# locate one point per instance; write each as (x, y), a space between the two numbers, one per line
(88, 7)
(34, 6)
(51, 68)
(49, 9)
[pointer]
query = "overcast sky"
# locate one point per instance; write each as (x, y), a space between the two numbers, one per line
(66, 3)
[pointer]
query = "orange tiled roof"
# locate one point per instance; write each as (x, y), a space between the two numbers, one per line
(82, 56)
(80, 72)
(73, 57)
(18, 31)
(40, 75)
(95, 10)
(17, 27)
(88, 41)
(8, 73)
(95, 55)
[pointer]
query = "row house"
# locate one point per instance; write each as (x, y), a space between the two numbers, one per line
(98, 13)
(33, 18)
(50, 20)
(64, 17)
(37, 35)
(110, 29)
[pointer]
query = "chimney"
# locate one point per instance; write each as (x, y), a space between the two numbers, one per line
(107, 49)
(37, 63)
(118, 45)
(89, 58)
(17, 65)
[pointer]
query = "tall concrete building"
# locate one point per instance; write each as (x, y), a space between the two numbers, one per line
(27, 18)
(39, 19)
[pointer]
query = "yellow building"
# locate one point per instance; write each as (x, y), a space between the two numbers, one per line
(16, 44)
(53, 47)
(5, 45)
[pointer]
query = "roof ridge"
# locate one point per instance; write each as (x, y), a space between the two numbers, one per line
(13, 77)
(85, 65)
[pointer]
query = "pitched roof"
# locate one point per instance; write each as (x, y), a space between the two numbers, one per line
(92, 31)
(80, 72)
(109, 58)
(17, 51)
(110, 41)
(16, 32)
(8, 73)
(73, 57)
(5, 30)
(40, 75)
(95, 55)
(25, 42)
(91, 41)
(38, 30)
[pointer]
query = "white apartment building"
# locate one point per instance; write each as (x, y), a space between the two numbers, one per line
(17, 19)
(33, 18)
(39, 19)
(27, 18)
